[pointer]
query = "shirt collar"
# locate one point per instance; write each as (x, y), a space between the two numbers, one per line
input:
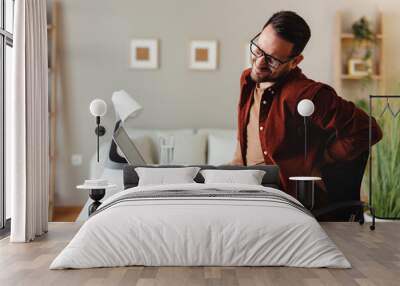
(277, 86)
(296, 73)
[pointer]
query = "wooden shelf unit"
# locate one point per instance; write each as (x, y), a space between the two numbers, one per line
(52, 35)
(350, 86)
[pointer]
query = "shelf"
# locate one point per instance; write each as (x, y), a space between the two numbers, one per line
(350, 36)
(360, 77)
(347, 46)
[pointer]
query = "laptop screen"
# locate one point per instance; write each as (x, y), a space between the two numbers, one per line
(127, 147)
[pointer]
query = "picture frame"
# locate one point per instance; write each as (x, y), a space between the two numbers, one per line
(360, 67)
(144, 54)
(203, 55)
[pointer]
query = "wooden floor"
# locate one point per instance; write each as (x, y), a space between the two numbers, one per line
(375, 257)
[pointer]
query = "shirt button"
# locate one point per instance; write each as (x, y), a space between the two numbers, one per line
(272, 91)
(261, 128)
(264, 102)
(265, 152)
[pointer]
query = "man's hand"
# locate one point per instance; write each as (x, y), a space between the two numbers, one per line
(327, 158)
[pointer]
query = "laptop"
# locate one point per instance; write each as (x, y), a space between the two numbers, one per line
(127, 147)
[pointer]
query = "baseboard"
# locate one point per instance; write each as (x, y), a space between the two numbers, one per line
(66, 213)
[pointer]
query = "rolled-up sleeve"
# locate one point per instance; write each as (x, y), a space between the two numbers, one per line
(350, 124)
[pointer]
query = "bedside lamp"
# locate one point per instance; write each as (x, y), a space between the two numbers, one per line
(305, 108)
(98, 108)
(305, 184)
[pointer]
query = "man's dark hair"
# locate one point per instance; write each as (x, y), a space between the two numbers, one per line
(291, 27)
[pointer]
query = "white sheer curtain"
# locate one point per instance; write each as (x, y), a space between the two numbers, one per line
(27, 144)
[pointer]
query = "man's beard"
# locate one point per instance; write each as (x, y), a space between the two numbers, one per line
(266, 75)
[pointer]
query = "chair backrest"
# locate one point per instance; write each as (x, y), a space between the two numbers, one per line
(343, 179)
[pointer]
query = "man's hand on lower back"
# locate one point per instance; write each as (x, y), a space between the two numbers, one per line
(327, 158)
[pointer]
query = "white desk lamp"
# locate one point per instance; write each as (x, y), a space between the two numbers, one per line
(125, 106)
(98, 108)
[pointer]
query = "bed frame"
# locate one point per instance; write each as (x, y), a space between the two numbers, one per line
(342, 179)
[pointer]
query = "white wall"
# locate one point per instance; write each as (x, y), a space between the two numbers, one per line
(94, 55)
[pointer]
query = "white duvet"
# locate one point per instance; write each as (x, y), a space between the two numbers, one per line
(200, 231)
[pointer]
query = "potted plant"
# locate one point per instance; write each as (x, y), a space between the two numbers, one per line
(361, 63)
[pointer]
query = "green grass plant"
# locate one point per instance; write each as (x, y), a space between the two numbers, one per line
(385, 161)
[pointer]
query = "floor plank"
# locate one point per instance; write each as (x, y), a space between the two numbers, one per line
(375, 257)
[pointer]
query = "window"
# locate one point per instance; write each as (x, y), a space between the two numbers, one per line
(6, 44)
(9, 17)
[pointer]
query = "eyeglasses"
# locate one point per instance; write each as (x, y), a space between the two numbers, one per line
(269, 60)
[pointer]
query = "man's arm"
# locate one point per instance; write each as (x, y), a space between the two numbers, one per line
(350, 124)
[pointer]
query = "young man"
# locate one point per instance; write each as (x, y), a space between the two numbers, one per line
(270, 129)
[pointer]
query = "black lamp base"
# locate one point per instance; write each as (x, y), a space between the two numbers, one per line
(100, 130)
(96, 195)
(305, 193)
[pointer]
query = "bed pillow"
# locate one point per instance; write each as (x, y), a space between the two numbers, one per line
(248, 177)
(162, 176)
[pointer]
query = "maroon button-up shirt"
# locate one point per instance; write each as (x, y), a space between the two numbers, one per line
(282, 135)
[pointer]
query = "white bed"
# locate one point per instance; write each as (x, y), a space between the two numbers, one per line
(202, 146)
(183, 231)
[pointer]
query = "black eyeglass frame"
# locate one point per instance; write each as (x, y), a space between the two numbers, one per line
(266, 56)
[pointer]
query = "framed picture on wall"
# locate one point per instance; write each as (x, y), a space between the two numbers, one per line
(360, 67)
(144, 54)
(203, 55)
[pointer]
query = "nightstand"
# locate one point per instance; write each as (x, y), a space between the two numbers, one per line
(97, 190)
(305, 190)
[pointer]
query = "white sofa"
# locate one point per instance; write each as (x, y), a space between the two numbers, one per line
(206, 146)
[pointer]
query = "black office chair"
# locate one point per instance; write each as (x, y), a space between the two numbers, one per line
(343, 183)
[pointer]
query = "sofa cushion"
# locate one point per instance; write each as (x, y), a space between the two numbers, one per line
(220, 149)
(188, 148)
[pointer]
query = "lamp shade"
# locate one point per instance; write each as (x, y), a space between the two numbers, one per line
(98, 107)
(305, 107)
(125, 106)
